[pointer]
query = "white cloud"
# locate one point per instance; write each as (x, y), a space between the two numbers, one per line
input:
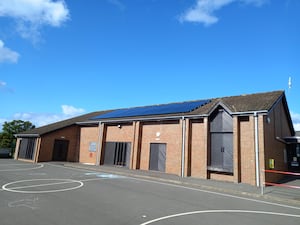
(296, 120)
(31, 15)
(71, 110)
(203, 11)
(2, 83)
(117, 3)
(41, 119)
(7, 55)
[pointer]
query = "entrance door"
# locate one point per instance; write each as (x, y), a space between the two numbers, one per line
(221, 141)
(60, 150)
(221, 152)
(157, 159)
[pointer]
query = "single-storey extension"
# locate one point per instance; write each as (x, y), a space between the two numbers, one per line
(228, 138)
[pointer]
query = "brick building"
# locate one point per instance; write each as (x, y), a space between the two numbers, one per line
(228, 138)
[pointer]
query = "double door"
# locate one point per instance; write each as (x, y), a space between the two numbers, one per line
(222, 152)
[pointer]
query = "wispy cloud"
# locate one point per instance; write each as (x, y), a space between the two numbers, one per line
(296, 120)
(32, 15)
(4, 88)
(41, 119)
(117, 3)
(2, 84)
(69, 110)
(7, 55)
(204, 10)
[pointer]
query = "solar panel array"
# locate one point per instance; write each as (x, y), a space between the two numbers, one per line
(182, 107)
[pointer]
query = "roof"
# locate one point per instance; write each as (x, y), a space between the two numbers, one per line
(59, 125)
(236, 104)
(245, 103)
(258, 102)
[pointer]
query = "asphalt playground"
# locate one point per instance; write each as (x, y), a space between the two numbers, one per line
(54, 194)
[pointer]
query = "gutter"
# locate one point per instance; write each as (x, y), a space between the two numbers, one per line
(162, 118)
(251, 112)
(26, 135)
(142, 119)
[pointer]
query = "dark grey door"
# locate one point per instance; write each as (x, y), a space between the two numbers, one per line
(117, 153)
(221, 141)
(228, 152)
(27, 148)
(109, 154)
(60, 150)
(157, 159)
(216, 150)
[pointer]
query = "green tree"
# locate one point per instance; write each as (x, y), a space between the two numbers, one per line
(9, 129)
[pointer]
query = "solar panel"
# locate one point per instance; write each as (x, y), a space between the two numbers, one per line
(182, 107)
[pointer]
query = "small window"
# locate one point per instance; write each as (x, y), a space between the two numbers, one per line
(244, 118)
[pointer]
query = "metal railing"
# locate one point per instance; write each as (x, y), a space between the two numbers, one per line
(283, 185)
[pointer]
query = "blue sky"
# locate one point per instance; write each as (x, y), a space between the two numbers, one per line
(59, 59)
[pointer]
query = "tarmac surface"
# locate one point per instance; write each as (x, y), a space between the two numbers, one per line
(59, 193)
(274, 193)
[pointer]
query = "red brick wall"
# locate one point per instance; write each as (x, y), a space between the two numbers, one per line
(124, 133)
(47, 143)
(88, 135)
(169, 133)
(198, 148)
(275, 125)
(247, 150)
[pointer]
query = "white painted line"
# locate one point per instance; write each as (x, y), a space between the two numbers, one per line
(22, 169)
(219, 211)
(61, 181)
(216, 193)
(69, 168)
(195, 189)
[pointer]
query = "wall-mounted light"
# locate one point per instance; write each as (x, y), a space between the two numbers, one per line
(119, 126)
(268, 120)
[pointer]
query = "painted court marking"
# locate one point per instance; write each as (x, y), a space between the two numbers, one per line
(218, 211)
(191, 188)
(104, 175)
(218, 193)
(20, 167)
(18, 189)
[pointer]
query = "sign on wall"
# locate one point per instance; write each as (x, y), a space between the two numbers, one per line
(93, 147)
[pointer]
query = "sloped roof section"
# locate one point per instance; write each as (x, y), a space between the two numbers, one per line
(236, 104)
(60, 124)
(163, 109)
(244, 103)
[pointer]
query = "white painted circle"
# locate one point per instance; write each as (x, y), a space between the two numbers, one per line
(20, 169)
(218, 211)
(17, 189)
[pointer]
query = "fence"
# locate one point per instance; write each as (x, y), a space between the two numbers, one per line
(283, 185)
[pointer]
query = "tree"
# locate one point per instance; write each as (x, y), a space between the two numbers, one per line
(9, 129)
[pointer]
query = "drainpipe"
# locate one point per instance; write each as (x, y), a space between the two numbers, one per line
(256, 149)
(183, 147)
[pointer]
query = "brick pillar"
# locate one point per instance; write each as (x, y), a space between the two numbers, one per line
(101, 140)
(135, 145)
